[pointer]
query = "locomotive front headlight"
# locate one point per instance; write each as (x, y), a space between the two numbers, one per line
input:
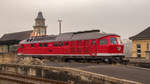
(119, 48)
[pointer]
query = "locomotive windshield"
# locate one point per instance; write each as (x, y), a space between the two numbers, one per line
(113, 40)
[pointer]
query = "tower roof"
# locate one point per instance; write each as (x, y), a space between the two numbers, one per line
(40, 15)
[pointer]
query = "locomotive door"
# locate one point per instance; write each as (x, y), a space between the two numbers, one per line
(86, 47)
(72, 47)
(93, 48)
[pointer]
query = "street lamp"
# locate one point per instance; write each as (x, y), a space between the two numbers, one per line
(59, 21)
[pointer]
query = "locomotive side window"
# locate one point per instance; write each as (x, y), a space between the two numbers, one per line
(22, 46)
(93, 42)
(103, 42)
(60, 43)
(40, 45)
(113, 40)
(45, 44)
(66, 43)
(55, 44)
(32, 45)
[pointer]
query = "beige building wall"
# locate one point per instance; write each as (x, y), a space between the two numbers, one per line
(143, 44)
(3, 48)
(8, 58)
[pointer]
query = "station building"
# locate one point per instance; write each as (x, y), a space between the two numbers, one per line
(141, 44)
(9, 42)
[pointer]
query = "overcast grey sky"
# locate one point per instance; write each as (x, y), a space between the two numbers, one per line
(123, 17)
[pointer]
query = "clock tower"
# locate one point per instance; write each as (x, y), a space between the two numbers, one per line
(39, 29)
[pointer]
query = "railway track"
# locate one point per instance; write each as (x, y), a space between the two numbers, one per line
(20, 79)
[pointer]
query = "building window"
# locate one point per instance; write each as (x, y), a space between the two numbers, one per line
(103, 42)
(138, 55)
(32, 45)
(147, 46)
(93, 42)
(138, 50)
(40, 45)
(138, 46)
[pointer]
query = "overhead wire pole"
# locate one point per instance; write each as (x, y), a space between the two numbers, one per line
(59, 20)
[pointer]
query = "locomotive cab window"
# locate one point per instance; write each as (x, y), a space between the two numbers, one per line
(113, 41)
(103, 42)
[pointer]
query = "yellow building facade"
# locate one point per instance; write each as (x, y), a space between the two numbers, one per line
(140, 48)
(141, 44)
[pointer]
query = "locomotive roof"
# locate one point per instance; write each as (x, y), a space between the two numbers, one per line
(70, 36)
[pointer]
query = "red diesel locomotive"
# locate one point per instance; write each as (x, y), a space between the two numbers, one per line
(90, 45)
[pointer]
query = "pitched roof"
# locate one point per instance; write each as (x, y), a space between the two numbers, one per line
(16, 36)
(144, 35)
(70, 36)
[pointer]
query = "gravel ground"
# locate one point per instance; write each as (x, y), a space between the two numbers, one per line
(119, 71)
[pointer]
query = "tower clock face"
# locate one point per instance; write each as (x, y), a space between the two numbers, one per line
(40, 23)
